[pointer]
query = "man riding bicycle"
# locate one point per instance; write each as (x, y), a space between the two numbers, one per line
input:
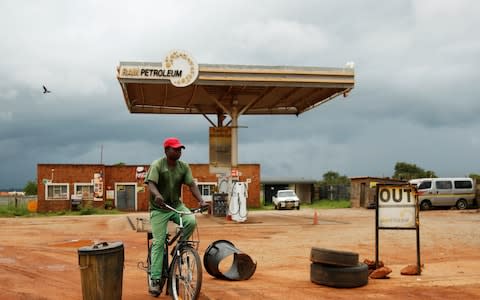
(165, 178)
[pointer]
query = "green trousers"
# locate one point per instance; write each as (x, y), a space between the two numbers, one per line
(159, 222)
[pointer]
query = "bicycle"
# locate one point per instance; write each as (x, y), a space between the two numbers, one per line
(183, 274)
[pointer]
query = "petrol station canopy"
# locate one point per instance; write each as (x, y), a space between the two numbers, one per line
(179, 85)
(219, 89)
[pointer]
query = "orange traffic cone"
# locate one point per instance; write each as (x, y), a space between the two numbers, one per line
(315, 218)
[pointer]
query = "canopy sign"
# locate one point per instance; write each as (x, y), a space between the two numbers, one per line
(179, 67)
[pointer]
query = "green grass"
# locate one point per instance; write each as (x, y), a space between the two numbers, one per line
(316, 204)
(22, 211)
(12, 211)
(327, 204)
(7, 211)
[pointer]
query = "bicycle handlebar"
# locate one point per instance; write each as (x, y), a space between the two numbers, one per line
(191, 212)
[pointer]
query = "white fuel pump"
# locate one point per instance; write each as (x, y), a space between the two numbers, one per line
(238, 202)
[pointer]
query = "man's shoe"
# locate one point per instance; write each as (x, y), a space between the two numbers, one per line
(155, 287)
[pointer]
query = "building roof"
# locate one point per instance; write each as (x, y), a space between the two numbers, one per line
(376, 178)
(286, 180)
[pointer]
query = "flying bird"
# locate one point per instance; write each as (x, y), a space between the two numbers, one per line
(45, 90)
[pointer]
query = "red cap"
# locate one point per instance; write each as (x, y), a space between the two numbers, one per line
(173, 143)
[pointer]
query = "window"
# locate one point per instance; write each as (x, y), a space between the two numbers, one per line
(84, 189)
(57, 191)
(425, 185)
(463, 184)
(206, 189)
(286, 194)
(443, 185)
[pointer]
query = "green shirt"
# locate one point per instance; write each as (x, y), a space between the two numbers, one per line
(168, 180)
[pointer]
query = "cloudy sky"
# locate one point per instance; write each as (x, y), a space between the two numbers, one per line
(416, 95)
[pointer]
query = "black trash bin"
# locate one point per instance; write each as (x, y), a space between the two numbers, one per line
(242, 267)
(101, 269)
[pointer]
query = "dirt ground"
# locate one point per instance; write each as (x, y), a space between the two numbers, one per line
(39, 258)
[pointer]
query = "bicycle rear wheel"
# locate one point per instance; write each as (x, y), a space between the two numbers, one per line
(186, 275)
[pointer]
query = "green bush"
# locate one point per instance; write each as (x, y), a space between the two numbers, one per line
(88, 211)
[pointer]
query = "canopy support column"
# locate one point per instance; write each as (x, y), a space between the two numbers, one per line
(234, 115)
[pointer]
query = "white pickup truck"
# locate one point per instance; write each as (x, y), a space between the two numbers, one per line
(286, 199)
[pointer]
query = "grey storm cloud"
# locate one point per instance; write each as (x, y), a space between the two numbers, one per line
(415, 97)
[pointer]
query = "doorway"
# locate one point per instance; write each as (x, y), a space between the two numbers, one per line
(363, 186)
(270, 190)
(126, 196)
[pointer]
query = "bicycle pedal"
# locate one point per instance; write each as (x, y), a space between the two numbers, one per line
(154, 294)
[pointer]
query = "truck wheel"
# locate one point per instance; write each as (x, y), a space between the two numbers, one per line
(425, 205)
(298, 207)
(462, 204)
(341, 277)
(276, 207)
(333, 257)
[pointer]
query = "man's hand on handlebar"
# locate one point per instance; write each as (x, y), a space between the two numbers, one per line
(159, 201)
(204, 205)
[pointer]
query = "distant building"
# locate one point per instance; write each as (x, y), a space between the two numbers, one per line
(303, 187)
(363, 190)
(15, 193)
(12, 193)
(65, 186)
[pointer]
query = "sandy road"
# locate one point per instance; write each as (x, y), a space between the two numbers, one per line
(39, 260)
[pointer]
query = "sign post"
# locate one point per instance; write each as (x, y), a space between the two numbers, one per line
(397, 209)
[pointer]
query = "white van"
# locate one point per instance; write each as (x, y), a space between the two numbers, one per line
(459, 192)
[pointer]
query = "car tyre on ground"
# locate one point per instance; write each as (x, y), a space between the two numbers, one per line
(333, 257)
(340, 277)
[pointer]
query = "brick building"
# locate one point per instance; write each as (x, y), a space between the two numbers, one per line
(67, 186)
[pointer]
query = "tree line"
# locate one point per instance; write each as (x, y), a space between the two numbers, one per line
(402, 171)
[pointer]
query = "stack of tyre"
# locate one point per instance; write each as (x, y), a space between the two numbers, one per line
(335, 268)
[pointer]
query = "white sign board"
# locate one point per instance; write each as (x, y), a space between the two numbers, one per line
(396, 206)
(179, 67)
(110, 194)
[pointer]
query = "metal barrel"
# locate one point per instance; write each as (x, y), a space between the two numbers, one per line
(242, 267)
(101, 269)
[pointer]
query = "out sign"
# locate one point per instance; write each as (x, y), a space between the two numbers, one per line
(395, 196)
(396, 206)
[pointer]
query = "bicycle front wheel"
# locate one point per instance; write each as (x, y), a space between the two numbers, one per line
(186, 275)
